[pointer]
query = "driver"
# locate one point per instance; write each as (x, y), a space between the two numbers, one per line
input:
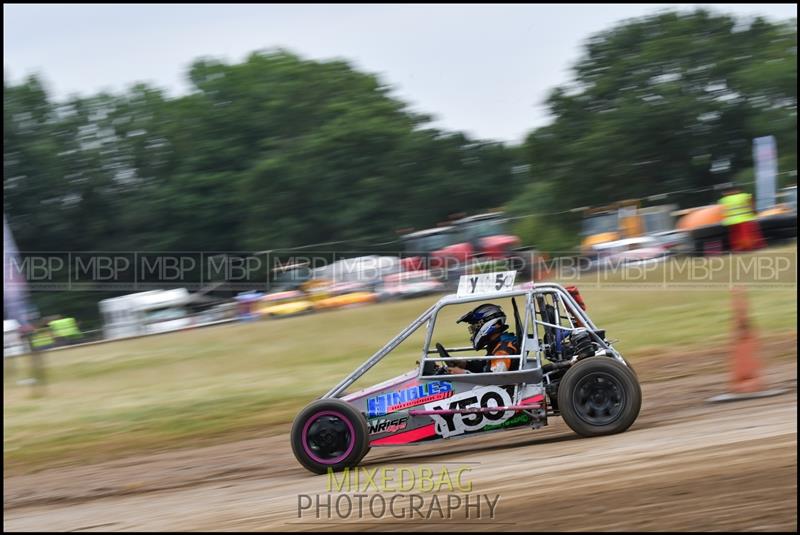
(487, 329)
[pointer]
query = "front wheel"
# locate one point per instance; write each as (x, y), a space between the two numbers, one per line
(329, 433)
(599, 396)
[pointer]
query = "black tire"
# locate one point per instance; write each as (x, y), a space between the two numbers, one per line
(632, 370)
(329, 433)
(599, 396)
(366, 450)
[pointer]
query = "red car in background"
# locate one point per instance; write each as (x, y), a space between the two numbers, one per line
(450, 247)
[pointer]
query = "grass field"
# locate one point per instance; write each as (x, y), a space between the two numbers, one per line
(247, 379)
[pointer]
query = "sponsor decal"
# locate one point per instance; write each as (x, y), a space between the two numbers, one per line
(448, 425)
(387, 425)
(409, 397)
(520, 419)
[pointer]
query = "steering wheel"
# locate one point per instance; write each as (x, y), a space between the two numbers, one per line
(442, 370)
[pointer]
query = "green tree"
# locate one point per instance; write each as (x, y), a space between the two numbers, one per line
(666, 102)
(272, 152)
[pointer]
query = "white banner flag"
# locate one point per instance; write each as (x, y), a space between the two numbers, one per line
(15, 287)
(765, 158)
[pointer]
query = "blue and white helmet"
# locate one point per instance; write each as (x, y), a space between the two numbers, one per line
(484, 321)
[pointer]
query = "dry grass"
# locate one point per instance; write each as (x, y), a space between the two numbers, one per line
(251, 378)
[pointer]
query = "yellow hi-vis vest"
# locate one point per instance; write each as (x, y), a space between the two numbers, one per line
(737, 208)
(65, 327)
(41, 338)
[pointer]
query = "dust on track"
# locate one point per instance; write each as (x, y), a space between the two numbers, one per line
(684, 465)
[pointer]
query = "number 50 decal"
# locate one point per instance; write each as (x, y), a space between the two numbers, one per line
(456, 424)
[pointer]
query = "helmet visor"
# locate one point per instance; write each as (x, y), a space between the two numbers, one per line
(475, 327)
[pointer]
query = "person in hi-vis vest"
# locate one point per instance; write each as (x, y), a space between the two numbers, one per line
(65, 330)
(744, 232)
(42, 337)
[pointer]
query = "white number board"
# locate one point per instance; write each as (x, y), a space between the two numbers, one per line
(486, 283)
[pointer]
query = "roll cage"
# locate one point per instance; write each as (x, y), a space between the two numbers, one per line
(563, 316)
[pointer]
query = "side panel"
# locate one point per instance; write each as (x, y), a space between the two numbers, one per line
(386, 408)
(448, 423)
(390, 423)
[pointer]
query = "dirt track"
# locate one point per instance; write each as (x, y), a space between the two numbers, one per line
(684, 465)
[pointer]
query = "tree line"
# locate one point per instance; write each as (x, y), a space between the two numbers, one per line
(279, 150)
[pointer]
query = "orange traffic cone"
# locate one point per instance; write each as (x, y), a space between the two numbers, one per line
(746, 379)
(746, 376)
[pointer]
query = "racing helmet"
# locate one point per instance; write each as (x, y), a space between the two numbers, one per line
(484, 321)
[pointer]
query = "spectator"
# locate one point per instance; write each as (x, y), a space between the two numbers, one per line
(65, 330)
(42, 338)
(744, 233)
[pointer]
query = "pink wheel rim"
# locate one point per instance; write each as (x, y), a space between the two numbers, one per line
(338, 458)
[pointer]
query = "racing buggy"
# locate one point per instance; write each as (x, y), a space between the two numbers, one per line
(565, 367)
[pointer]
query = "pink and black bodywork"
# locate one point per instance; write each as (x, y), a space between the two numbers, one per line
(565, 367)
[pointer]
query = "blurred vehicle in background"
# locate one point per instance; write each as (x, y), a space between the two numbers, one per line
(423, 246)
(345, 282)
(487, 235)
(346, 299)
(625, 232)
(217, 313)
(408, 284)
(360, 273)
(676, 241)
(284, 303)
(450, 248)
(354, 281)
(294, 291)
(610, 223)
(627, 219)
(659, 223)
(291, 276)
(644, 249)
(295, 302)
(165, 319)
(246, 303)
(145, 313)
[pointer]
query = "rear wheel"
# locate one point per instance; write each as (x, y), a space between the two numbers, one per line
(599, 396)
(329, 433)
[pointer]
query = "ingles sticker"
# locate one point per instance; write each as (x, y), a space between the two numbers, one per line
(410, 397)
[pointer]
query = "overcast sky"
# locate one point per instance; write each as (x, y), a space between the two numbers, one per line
(482, 69)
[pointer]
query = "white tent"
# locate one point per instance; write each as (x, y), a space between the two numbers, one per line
(13, 342)
(145, 312)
